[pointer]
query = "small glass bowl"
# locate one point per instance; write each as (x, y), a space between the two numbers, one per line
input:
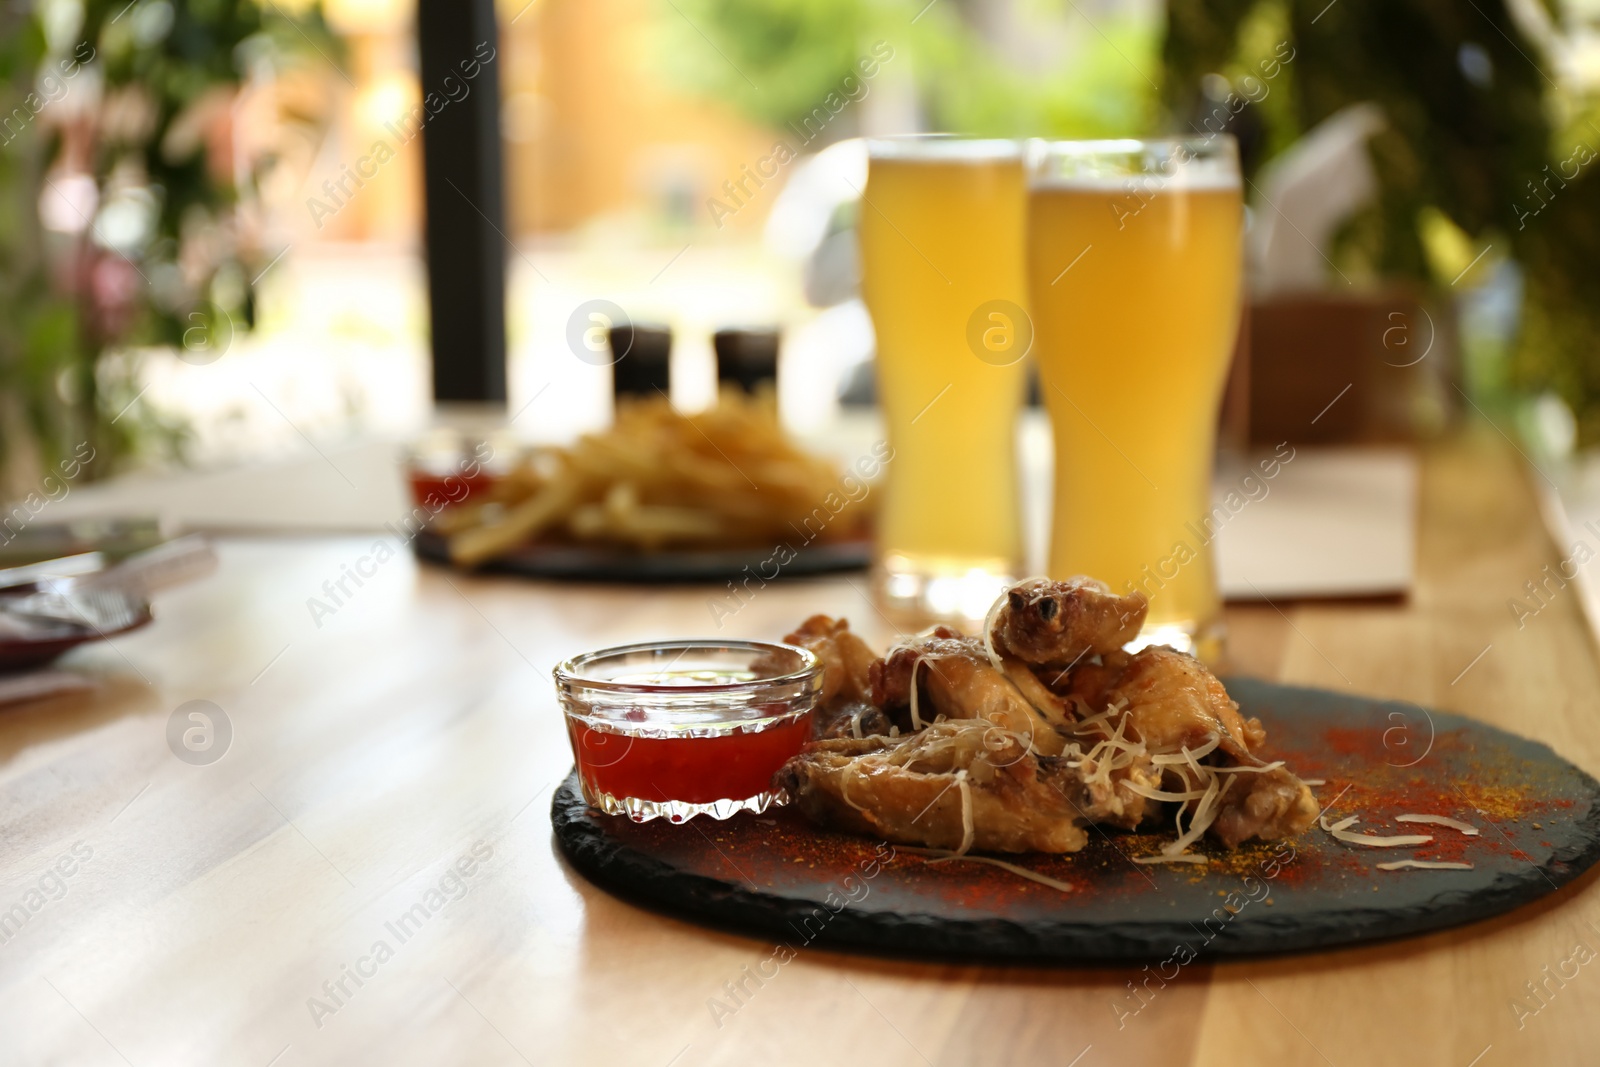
(675, 729)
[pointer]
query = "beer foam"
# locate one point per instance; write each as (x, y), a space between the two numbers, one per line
(937, 148)
(1185, 179)
(1133, 165)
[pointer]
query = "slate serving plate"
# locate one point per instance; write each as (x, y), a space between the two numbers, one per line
(601, 564)
(777, 877)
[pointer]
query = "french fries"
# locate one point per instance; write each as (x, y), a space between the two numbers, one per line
(656, 479)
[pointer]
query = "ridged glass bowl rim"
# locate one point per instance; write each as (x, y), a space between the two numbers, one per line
(569, 672)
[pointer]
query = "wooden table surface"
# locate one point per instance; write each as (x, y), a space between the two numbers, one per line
(192, 914)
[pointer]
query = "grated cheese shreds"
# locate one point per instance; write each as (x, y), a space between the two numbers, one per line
(844, 794)
(1249, 770)
(1186, 857)
(1108, 755)
(1425, 865)
(1169, 759)
(1341, 832)
(1440, 820)
(916, 720)
(1089, 720)
(968, 831)
(1205, 812)
(988, 632)
(1160, 794)
(1098, 719)
(1374, 841)
(1314, 781)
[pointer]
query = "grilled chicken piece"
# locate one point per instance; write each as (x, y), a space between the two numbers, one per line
(909, 789)
(891, 678)
(1267, 806)
(845, 708)
(1052, 708)
(846, 659)
(1174, 702)
(958, 784)
(1098, 791)
(959, 682)
(998, 760)
(1057, 624)
(849, 718)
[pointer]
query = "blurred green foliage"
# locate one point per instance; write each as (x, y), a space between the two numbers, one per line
(778, 59)
(1479, 131)
(1559, 346)
(134, 107)
(36, 326)
(1461, 145)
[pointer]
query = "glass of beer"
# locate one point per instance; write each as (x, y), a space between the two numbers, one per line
(941, 232)
(1134, 257)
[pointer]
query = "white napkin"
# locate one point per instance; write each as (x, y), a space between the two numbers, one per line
(1303, 196)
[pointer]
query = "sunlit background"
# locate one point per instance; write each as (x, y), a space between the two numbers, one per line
(622, 120)
(697, 161)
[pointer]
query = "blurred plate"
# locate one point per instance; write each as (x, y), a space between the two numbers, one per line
(19, 652)
(601, 564)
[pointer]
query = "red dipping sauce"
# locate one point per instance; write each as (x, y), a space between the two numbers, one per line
(694, 769)
(436, 490)
(446, 468)
(680, 729)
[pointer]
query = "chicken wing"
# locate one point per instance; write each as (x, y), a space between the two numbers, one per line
(1267, 806)
(1057, 624)
(849, 718)
(844, 708)
(959, 784)
(959, 682)
(846, 659)
(1170, 703)
(963, 784)
(1173, 702)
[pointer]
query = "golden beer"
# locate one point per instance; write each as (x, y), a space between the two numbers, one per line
(1134, 260)
(941, 234)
